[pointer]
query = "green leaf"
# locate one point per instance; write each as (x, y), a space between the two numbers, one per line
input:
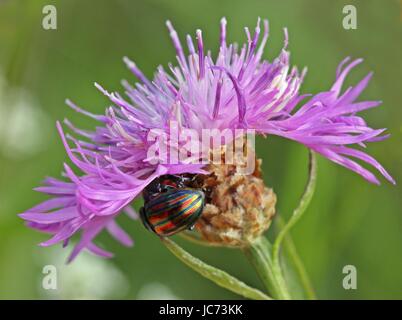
(220, 277)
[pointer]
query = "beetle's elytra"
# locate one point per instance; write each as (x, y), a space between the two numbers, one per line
(173, 211)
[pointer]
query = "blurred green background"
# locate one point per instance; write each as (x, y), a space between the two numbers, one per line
(349, 221)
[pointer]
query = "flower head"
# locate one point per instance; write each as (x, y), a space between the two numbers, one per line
(235, 90)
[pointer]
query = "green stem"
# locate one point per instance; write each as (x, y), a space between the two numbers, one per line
(259, 254)
(297, 214)
(216, 275)
(297, 263)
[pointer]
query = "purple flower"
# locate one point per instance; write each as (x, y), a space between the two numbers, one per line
(236, 90)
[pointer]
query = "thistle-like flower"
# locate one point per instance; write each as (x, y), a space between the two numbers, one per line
(236, 90)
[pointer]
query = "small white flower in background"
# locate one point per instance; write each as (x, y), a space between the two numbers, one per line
(156, 291)
(87, 278)
(24, 127)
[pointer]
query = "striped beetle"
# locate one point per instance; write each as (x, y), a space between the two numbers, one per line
(170, 206)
